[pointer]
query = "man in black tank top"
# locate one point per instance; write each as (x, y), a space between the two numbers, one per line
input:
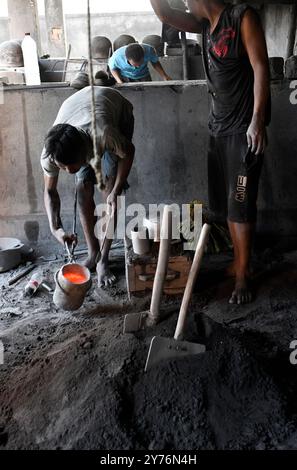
(237, 72)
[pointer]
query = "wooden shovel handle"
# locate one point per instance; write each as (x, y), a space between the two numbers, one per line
(202, 242)
(162, 266)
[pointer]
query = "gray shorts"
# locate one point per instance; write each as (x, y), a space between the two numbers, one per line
(109, 164)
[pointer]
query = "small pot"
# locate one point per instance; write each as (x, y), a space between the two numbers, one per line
(10, 253)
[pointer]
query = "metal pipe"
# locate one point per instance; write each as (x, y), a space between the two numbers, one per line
(185, 55)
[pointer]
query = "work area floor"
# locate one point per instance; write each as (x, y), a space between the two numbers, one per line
(75, 381)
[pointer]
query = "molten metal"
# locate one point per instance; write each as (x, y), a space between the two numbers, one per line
(75, 278)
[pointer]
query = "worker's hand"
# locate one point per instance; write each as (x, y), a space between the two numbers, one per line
(256, 136)
(63, 237)
(167, 78)
(112, 204)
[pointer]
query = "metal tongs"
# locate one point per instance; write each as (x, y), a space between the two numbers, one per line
(70, 250)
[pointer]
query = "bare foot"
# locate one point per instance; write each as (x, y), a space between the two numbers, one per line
(242, 293)
(105, 276)
(91, 261)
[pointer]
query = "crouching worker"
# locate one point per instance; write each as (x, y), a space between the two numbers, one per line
(130, 64)
(69, 147)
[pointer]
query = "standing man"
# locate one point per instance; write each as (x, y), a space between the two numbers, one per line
(130, 64)
(68, 146)
(237, 73)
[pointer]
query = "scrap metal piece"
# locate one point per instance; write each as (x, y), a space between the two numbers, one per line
(135, 322)
(47, 287)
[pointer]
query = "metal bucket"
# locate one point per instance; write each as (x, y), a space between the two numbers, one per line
(72, 283)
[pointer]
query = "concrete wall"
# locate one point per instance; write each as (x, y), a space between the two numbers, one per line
(4, 30)
(170, 165)
(276, 20)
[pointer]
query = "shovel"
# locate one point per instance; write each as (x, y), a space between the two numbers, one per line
(137, 321)
(169, 348)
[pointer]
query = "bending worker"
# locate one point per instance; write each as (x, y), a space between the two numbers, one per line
(130, 64)
(237, 72)
(69, 147)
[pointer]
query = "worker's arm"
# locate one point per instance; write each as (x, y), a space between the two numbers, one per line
(116, 75)
(53, 206)
(255, 44)
(180, 20)
(124, 167)
(158, 67)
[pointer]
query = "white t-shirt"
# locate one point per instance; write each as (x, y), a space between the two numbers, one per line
(113, 113)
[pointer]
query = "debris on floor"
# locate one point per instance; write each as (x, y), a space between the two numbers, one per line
(75, 381)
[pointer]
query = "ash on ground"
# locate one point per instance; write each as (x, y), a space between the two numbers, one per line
(75, 381)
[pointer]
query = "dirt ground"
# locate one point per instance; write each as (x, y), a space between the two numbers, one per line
(75, 381)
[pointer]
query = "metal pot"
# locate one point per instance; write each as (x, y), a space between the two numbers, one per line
(10, 253)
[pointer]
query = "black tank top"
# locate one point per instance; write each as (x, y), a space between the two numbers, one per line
(229, 74)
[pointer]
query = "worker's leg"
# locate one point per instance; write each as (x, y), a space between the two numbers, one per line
(105, 276)
(243, 171)
(242, 238)
(109, 170)
(86, 205)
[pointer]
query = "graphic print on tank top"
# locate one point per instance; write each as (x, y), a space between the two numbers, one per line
(225, 37)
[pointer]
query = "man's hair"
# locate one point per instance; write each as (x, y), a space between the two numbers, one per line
(103, 79)
(64, 144)
(135, 52)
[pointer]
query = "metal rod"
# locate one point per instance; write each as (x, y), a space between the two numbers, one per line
(185, 55)
(20, 275)
(75, 212)
(66, 63)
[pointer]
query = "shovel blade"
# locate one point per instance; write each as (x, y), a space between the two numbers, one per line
(169, 348)
(135, 322)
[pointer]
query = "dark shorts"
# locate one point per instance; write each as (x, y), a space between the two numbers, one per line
(109, 164)
(233, 179)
